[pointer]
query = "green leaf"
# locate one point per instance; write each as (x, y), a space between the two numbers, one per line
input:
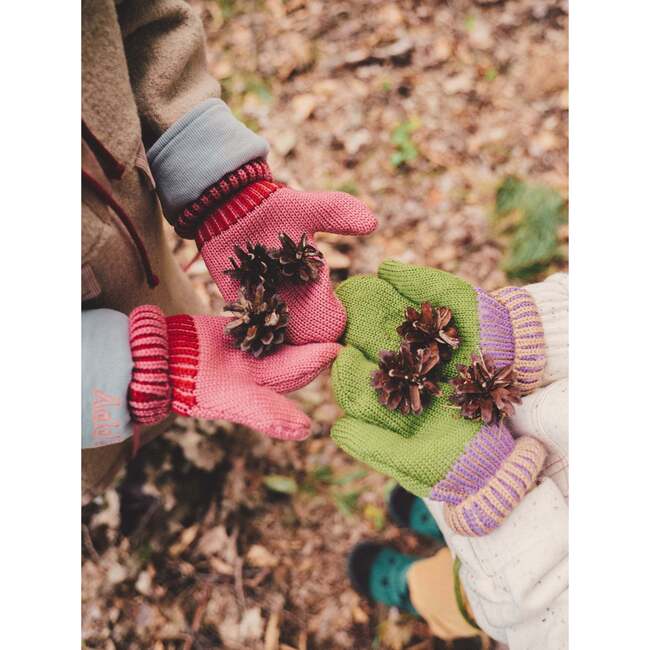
(346, 502)
(323, 473)
(258, 87)
(346, 479)
(281, 484)
(227, 8)
(527, 218)
(404, 145)
(375, 516)
(349, 187)
(470, 23)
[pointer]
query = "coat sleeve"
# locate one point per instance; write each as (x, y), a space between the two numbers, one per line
(105, 376)
(191, 136)
(516, 578)
(165, 51)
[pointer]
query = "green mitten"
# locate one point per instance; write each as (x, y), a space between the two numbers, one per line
(477, 469)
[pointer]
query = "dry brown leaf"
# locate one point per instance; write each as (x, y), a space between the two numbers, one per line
(272, 634)
(259, 556)
(202, 451)
(213, 541)
(187, 537)
(302, 106)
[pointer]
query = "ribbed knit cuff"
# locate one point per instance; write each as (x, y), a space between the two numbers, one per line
(496, 336)
(528, 334)
(183, 363)
(552, 300)
(489, 480)
(216, 195)
(165, 355)
(229, 213)
(149, 390)
(196, 151)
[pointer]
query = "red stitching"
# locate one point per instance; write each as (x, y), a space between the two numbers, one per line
(217, 194)
(184, 362)
(230, 213)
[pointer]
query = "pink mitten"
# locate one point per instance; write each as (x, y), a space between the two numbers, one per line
(248, 206)
(188, 365)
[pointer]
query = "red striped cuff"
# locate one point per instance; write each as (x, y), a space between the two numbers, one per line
(183, 362)
(224, 189)
(235, 209)
(165, 355)
(149, 390)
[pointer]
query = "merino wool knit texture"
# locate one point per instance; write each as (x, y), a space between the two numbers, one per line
(189, 365)
(438, 454)
(258, 214)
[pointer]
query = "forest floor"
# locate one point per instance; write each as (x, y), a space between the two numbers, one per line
(216, 537)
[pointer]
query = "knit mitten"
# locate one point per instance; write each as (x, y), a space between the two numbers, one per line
(479, 471)
(248, 206)
(188, 365)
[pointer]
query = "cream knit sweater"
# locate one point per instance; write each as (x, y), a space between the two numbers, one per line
(516, 578)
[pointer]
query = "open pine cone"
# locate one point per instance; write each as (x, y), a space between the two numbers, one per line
(483, 391)
(430, 327)
(299, 262)
(260, 321)
(405, 379)
(253, 266)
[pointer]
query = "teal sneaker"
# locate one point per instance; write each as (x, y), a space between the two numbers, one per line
(378, 572)
(409, 511)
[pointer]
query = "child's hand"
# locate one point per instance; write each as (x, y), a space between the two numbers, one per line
(478, 470)
(188, 365)
(258, 214)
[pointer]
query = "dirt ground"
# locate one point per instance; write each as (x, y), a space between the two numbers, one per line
(215, 537)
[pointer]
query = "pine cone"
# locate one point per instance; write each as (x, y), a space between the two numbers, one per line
(299, 262)
(405, 380)
(253, 266)
(430, 327)
(260, 321)
(483, 391)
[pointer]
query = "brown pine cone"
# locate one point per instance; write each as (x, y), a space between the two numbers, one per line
(483, 391)
(260, 321)
(253, 267)
(405, 379)
(430, 327)
(299, 262)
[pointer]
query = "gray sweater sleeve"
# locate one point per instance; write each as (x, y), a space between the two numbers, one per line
(105, 376)
(197, 150)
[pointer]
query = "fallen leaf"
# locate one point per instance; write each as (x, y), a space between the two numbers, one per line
(259, 556)
(143, 583)
(202, 451)
(302, 106)
(116, 574)
(187, 537)
(110, 515)
(251, 626)
(283, 141)
(213, 541)
(272, 634)
(281, 484)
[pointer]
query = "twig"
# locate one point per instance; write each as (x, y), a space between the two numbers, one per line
(198, 616)
(88, 544)
(239, 581)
